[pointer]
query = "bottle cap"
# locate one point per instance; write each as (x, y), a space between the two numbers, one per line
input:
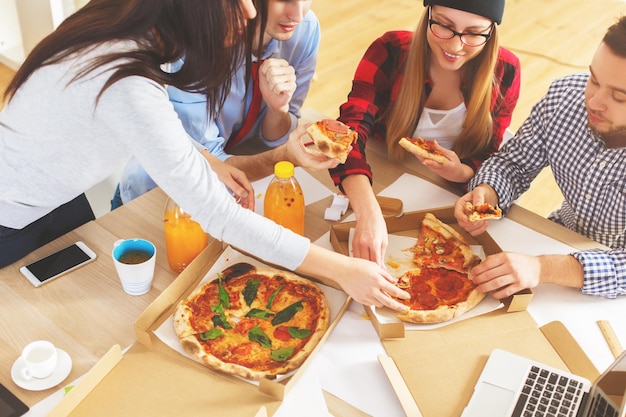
(283, 169)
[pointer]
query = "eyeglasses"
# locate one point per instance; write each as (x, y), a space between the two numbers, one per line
(446, 32)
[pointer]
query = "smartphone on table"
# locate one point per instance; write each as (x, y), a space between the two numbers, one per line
(58, 263)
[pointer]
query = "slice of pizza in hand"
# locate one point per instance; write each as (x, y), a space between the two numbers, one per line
(440, 246)
(423, 148)
(333, 138)
(483, 211)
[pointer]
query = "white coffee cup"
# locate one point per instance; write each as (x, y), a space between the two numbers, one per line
(40, 359)
(135, 260)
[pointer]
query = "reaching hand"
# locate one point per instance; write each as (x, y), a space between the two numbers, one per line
(234, 179)
(505, 273)
(369, 284)
(370, 238)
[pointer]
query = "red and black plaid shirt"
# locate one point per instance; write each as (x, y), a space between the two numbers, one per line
(375, 87)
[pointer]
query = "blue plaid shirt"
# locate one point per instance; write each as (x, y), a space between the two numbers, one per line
(591, 177)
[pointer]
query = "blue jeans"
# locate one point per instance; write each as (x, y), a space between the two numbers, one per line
(17, 243)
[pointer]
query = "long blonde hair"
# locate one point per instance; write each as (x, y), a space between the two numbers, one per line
(477, 130)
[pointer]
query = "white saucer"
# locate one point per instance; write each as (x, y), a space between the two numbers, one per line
(64, 366)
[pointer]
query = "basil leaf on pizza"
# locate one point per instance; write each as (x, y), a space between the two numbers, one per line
(252, 322)
(249, 293)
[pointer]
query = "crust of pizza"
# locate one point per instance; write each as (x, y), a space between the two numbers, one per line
(241, 356)
(423, 148)
(442, 313)
(483, 212)
(332, 138)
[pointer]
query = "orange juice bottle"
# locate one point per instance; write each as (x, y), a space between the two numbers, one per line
(184, 238)
(284, 200)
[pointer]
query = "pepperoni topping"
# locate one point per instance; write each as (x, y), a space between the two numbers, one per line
(335, 126)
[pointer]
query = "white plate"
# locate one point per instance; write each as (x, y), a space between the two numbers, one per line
(64, 366)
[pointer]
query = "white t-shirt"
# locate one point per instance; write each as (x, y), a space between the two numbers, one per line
(444, 126)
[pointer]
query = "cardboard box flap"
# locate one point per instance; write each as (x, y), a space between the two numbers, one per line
(88, 382)
(440, 368)
(123, 381)
(569, 350)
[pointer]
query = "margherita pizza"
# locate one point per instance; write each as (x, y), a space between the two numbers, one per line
(483, 212)
(332, 138)
(424, 148)
(253, 323)
(439, 284)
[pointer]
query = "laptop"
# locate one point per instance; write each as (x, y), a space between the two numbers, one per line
(514, 386)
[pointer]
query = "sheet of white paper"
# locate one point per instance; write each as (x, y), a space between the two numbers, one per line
(305, 399)
(348, 368)
(336, 299)
(418, 194)
(315, 190)
(347, 363)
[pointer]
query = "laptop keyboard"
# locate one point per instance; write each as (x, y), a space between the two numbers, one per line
(547, 394)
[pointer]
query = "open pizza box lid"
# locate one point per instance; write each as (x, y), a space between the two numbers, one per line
(434, 372)
(152, 379)
(409, 225)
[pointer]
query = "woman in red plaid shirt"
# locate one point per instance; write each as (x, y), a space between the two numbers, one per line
(448, 81)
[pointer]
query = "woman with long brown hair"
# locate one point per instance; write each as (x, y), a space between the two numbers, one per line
(93, 93)
(448, 81)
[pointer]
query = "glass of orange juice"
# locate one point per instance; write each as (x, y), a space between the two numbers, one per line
(184, 237)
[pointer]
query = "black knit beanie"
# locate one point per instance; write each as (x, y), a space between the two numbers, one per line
(491, 9)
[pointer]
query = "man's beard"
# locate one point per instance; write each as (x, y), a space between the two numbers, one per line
(613, 138)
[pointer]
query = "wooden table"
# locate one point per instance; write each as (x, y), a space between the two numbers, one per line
(86, 311)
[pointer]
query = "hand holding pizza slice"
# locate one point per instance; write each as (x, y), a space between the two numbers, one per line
(423, 148)
(483, 211)
(333, 138)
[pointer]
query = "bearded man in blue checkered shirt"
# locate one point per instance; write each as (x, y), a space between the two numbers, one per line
(579, 130)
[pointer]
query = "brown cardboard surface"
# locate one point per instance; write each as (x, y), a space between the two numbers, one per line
(146, 383)
(408, 225)
(440, 367)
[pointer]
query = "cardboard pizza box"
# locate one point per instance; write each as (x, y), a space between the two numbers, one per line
(143, 382)
(434, 372)
(408, 225)
(163, 307)
(151, 378)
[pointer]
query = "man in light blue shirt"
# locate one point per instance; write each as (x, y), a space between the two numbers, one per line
(289, 55)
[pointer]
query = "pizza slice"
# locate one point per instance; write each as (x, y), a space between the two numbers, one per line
(483, 212)
(441, 246)
(437, 295)
(333, 138)
(424, 148)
